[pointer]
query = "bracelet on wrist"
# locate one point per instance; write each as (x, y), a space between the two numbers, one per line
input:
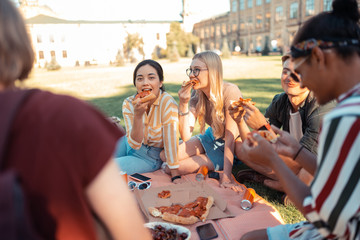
(265, 127)
(183, 113)
(298, 152)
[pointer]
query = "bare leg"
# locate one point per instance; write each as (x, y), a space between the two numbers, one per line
(260, 234)
(191, 156)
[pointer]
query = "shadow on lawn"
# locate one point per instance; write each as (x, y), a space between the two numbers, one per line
(260, 90)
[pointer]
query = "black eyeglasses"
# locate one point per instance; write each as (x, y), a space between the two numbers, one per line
(293, 75)
(195, 71)
(141, 186)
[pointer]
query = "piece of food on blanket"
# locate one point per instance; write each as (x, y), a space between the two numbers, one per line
(164, 194)
(187, 214)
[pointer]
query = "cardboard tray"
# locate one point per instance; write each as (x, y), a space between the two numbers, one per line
(181, 194)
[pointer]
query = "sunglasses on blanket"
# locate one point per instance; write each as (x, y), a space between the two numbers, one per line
(141, 186)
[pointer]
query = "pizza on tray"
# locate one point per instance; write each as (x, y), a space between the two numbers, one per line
(190, 213)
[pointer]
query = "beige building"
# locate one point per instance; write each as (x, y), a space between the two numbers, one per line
(252, 24)
(82, 42)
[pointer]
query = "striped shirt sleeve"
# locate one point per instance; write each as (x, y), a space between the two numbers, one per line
(128, 115)
(170, 130)
(334, 206)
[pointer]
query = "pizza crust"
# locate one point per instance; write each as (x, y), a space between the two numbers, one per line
(171, 217)
(208, 206)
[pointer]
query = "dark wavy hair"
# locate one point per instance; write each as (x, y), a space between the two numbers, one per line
(16, 53)
(342, 23)
(155, 65)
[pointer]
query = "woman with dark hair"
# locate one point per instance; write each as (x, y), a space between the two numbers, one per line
(326, 53)
(151, 126)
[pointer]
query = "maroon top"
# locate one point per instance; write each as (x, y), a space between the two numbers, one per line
(58, 145)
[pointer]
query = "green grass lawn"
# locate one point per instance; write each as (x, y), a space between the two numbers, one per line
(107, 87)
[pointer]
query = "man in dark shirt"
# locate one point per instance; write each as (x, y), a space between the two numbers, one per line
(297, 112)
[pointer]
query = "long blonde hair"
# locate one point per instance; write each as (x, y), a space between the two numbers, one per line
(215, 70)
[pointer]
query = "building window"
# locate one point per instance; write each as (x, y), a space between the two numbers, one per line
(258, 21)
(52, 53)
(234, 5)
(279, 13)
(41, 54)
(249, 21)
(158, 36)
(258, 2)
(267, 20)
(242, 4)
(64, 52)
(327, 5)
(294, 10)
(39, 39)
(250, 3)
(51, 38)
(309, 7)
(267, 1)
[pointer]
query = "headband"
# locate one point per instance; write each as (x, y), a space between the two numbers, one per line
(305, 47)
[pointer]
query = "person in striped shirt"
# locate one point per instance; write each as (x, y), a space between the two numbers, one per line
(326, 53)
(151, 126)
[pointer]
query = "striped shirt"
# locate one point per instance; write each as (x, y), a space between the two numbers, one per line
(334, 205)
(161, 126)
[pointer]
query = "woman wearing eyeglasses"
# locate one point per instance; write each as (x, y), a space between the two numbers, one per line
(326, 53)
(297, 112)
(208, 104)
(151, 126)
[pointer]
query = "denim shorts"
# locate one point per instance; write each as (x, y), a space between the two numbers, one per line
(214, 148)
(145, 159)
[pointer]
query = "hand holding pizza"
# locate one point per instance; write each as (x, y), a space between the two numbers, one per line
(237, 108)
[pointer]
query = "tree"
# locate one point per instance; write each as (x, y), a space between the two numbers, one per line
(266, 50)
(183, 39)
(173, 53)
(119, 59)
(225, 49)
(133, 42)
(190, 52)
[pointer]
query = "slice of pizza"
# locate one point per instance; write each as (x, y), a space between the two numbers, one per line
(240, 103)
(191, 83)
(164, 194)
(190, 213)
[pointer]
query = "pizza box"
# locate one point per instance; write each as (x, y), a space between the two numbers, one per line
(181, 194)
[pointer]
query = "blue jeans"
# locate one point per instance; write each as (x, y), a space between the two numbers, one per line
(145, 159)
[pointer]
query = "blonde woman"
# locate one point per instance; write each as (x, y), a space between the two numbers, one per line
(208, 105)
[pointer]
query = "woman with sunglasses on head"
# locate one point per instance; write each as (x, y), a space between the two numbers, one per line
(151, 125)
(326, 53)
(209, 105)
(297, 112)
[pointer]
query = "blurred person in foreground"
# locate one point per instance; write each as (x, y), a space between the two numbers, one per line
(297, 112)
(61, 148)
(326, 53)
